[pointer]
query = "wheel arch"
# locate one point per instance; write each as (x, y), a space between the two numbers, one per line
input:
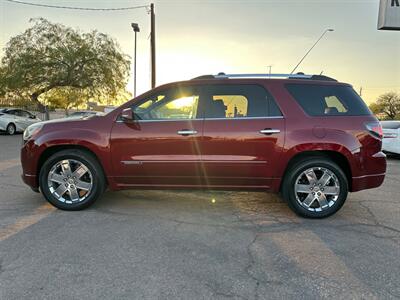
(48, 152)
(335, 156)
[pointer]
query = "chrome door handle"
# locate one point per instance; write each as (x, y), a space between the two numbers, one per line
(269, 131)
(187, 132)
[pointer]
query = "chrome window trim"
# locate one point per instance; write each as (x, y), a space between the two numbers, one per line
(245, 118)
(205, 119)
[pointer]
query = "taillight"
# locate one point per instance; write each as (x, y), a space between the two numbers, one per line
(375, 129)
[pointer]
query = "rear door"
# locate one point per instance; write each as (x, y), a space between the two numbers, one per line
(161, 147)
(243, 136)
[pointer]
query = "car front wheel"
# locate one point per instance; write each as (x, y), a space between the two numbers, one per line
(315, 188)
(71, 180)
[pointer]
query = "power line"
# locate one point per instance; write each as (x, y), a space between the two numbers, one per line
(76, 8)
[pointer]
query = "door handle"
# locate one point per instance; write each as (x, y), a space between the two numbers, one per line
(186, 132)
(269, 131)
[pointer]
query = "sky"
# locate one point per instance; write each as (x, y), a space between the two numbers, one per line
(194, 38)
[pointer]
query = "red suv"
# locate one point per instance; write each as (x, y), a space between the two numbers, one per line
(307, 136)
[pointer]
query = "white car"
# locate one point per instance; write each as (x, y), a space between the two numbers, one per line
(16, 120)
(391, 136)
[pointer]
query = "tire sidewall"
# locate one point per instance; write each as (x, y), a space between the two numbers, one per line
(89, 162)
(296, 170)
(11, 125)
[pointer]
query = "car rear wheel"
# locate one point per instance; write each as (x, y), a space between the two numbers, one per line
(315, 188)
(11, 129)
(71, 180)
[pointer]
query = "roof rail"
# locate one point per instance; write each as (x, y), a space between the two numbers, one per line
(299, 75)
(266, 76)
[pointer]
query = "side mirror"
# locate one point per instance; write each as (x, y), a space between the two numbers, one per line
(127, 115)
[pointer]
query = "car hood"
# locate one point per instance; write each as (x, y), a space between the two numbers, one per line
(67, 120)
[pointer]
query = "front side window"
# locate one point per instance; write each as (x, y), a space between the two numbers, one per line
(239, 101)
(174, 104)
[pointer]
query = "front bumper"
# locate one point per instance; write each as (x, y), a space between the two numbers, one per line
(32, 181)
(30, 154)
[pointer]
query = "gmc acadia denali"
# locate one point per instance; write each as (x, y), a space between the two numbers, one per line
(308, 137)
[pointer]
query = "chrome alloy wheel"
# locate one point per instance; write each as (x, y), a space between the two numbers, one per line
(317, 189)
(70, 181)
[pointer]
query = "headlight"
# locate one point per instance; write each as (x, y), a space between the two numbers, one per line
(32, 130)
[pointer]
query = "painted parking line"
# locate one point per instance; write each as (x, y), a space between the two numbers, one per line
(26, 221)
(7, 164)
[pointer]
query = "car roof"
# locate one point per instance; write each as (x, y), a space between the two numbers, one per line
(267, 76)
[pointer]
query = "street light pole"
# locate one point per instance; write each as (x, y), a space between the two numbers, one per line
(136, 29)
(153, 45)
(301, 60)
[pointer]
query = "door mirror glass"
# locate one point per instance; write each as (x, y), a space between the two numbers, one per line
(127, 115)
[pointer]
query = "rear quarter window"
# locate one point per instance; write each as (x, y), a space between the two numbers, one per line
(328, 100)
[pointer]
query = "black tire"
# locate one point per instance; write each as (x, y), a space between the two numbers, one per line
(97, 178)
(11, 129)
(292, 174)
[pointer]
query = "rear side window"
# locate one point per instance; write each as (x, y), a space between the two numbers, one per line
(328, 100)
(238, 101)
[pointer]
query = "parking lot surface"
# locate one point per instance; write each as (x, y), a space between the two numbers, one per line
(195, 245)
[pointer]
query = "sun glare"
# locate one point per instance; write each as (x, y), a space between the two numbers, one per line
(181, 102)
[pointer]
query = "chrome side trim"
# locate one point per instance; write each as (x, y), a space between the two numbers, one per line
(131, 162)
(140, 162)
(371, 175)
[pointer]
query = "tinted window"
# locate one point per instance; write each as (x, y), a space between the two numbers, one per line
(172, 104)
(11, 112)
(391, 124)
(24, 114)
(328, 100)
(238, 101)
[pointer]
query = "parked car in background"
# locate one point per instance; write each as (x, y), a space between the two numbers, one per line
(16, 120)
(309, 137)
(84, 114)
(391, 136)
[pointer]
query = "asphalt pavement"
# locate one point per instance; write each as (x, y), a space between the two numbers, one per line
(195, 245)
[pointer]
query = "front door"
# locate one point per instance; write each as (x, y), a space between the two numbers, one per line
(243, 136)
(161, 146)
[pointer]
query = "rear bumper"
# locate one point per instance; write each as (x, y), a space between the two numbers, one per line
(372, 175)
(367, 182)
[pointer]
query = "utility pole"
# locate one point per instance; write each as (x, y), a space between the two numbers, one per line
(361, 91)
(153, 46)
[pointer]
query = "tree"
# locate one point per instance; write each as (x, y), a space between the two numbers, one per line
(388, 104)
(51, 56)
(66, 98)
